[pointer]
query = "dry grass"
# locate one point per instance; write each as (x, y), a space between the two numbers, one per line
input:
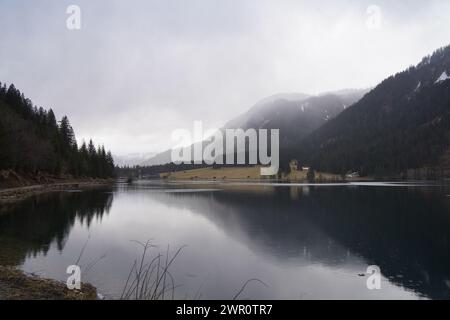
(296, 176)
(150, 278)
(245, 173)
(240, 173)
(15, 285)
(328, 177)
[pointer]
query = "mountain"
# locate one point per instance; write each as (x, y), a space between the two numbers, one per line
(159, 159)
(34, 143)
(296, 118)
(402, 124)
(295, 114)
(265, 106)
(131, 159)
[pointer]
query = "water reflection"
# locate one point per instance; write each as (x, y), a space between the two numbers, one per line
(29, 227)
(403, 229)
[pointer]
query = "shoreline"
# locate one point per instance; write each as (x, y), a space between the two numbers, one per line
(17, 285)
(8, 195)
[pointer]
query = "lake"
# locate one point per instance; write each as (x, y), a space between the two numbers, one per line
(301, 241)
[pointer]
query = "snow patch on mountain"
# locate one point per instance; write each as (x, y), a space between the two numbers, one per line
(418, 86)
(266, 122)
(442, 78)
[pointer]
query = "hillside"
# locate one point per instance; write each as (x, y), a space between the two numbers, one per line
(33, 142)
(401, 125)
(296, 115)
(296, 118)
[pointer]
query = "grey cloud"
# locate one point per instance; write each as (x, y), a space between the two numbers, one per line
(139, 69)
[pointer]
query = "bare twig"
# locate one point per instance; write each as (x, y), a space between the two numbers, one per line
(245, 285)
(150, 279)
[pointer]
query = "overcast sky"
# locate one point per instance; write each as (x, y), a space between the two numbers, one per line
(139, 69)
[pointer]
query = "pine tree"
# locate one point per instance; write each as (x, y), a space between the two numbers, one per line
(67, 133)
(31, 140)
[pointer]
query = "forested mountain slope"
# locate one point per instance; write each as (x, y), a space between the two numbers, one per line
(295, 115)
(31, 141)
(403, 123)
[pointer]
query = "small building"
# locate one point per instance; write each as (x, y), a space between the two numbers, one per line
(293, 165)
(352, 175)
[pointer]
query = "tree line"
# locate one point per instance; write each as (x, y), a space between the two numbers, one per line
(399, 128)
(32, 141)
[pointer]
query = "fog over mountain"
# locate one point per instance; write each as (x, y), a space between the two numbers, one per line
(150, 67)
(294, 114)
(132, 159)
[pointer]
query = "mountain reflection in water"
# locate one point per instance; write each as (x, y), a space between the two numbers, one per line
(402, 229)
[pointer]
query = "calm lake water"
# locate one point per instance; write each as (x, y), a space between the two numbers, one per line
(302, 241)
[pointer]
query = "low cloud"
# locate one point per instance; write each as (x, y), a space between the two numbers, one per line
(139, 69)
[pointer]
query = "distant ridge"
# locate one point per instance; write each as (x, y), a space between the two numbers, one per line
(295, 114)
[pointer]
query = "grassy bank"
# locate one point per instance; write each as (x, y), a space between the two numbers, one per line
(245, 173)
(16, 285)
(21, 193)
